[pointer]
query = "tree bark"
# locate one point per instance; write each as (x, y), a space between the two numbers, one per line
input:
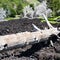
(25, 38)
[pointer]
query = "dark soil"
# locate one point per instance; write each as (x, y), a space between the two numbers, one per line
(19, 25)
(38, 51)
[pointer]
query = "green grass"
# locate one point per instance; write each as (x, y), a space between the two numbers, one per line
(57, 18)
(11, 18)
(33, 1)
(52, 22)
(53, 19)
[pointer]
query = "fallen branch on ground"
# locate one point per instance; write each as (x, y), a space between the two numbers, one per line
(25, 38)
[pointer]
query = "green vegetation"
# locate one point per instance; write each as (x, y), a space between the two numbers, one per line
(52, 22)
(14, 8)
(11, 18)
(55, 6)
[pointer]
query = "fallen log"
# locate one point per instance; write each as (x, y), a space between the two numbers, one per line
(25, 38)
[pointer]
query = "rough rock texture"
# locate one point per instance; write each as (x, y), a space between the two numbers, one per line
(38, 51)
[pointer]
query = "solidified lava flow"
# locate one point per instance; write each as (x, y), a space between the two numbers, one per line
(38, 51)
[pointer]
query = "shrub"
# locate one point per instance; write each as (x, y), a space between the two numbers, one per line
(12, 12)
